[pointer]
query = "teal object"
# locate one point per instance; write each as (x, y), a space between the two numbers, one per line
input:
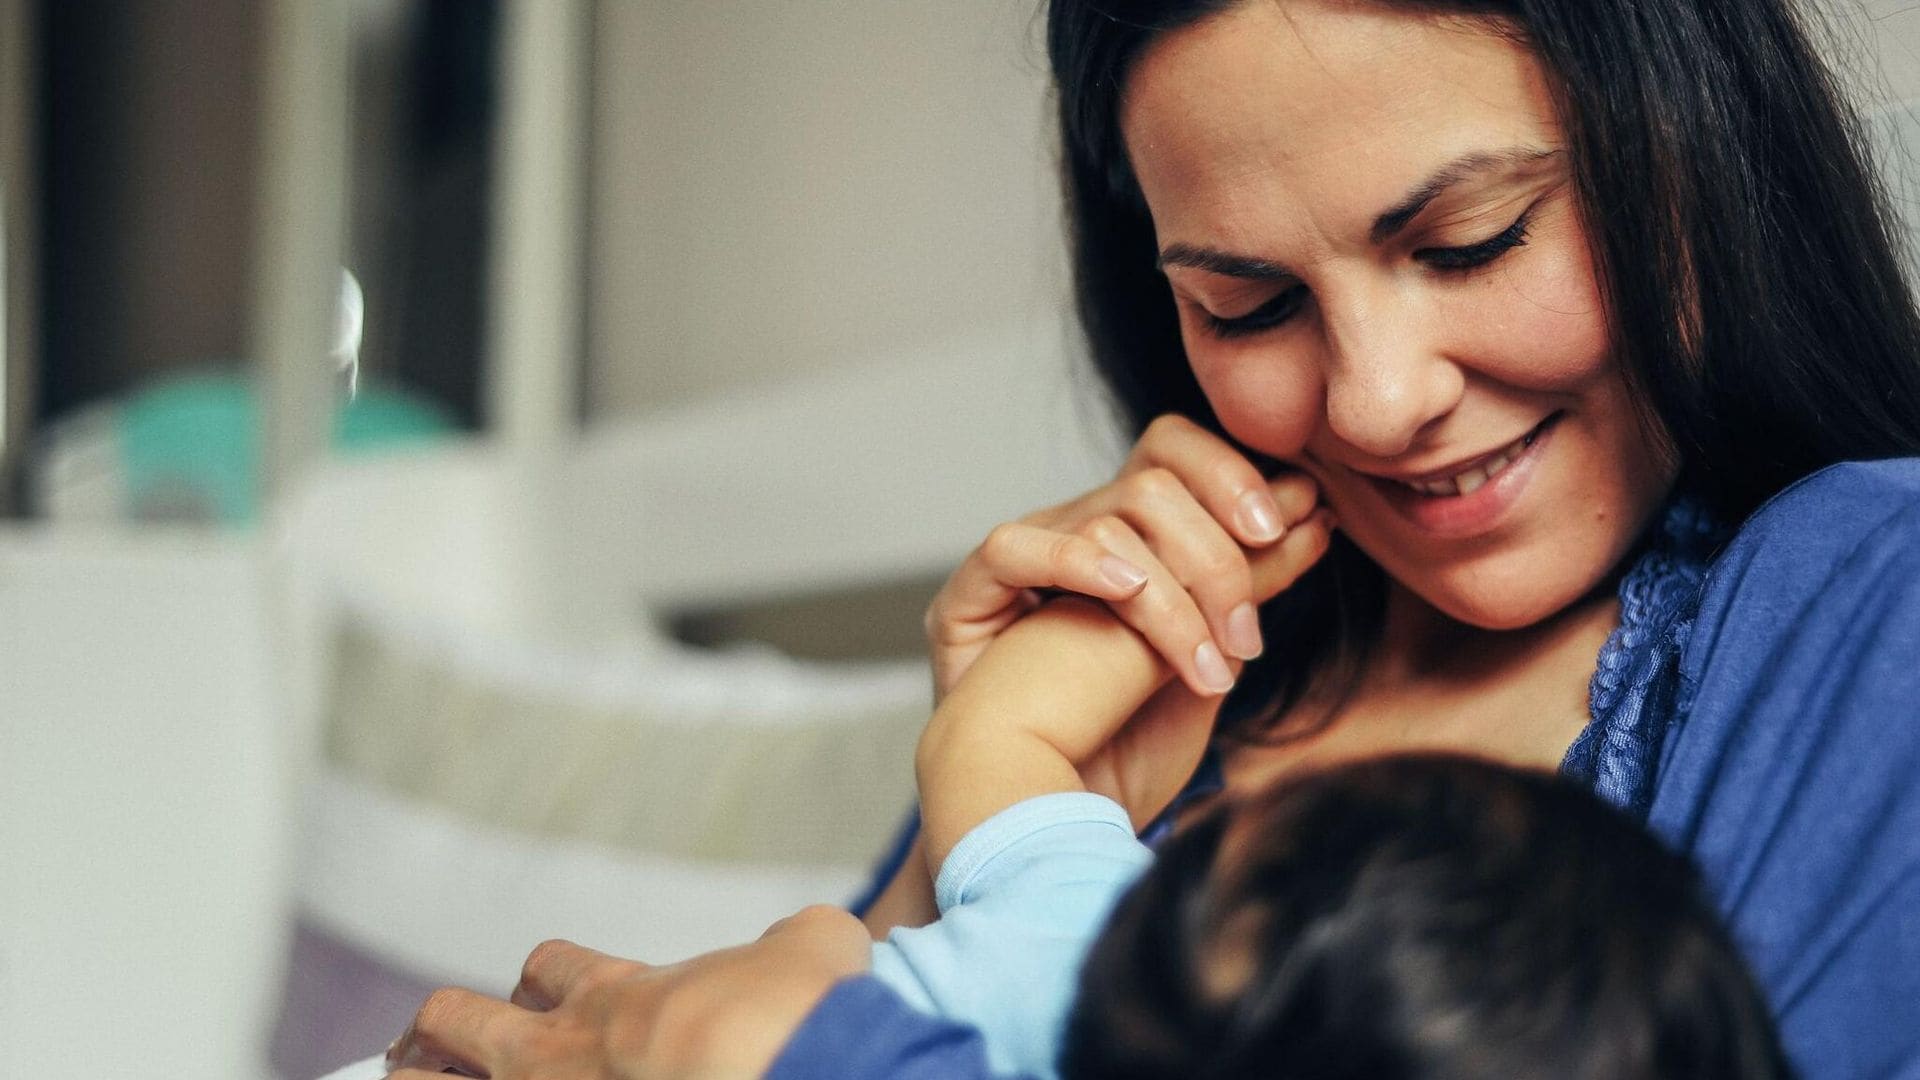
(191, 447)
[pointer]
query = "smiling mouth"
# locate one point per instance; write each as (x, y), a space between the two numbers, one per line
(1469, 480)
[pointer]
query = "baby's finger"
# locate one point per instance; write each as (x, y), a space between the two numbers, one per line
(1164, 612)
(1223, 481)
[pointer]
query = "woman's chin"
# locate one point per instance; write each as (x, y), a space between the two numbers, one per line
(1485, 598)
(1491, 613)
(1521, 582)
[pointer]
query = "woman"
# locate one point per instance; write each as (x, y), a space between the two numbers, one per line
(1544, 300)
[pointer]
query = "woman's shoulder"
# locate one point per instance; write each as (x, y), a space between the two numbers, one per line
(1788, 770)
(1803, 641)
(1827, 571)
(1846, 529)
(1835, 508)
(1802, 651)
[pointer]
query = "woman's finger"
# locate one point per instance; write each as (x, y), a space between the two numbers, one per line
(1277, 568)
(1296, 494)
(1017, 556)
(555, 969)
(996, 584)
(1202, 556)
(458, 1028)
(1226, 484)
(1164, 613)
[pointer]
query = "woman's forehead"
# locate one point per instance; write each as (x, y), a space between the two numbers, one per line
(1312, 116)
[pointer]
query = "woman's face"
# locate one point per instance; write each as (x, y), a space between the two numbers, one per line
(1366, 219)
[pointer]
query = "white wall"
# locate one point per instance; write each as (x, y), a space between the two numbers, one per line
(1877, 48)
(780, 187)
(145, 802)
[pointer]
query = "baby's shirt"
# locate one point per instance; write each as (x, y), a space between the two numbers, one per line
(1022, 898)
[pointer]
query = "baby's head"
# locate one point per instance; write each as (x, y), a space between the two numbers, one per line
(1418, 917)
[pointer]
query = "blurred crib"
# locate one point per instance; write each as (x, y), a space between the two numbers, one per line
(512, 745)
(262, 790)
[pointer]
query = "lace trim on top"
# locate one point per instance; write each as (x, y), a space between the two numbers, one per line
(1632, 696)
(1630, 705)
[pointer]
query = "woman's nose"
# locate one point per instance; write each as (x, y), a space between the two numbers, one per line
(1387, 381)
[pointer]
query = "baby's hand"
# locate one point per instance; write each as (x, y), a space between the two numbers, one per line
(1048, 698)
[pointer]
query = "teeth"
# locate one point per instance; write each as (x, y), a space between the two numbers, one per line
(1468, 482)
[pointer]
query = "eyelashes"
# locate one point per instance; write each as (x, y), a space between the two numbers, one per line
(1480, 254)
(1446, 259)
(1267, 315)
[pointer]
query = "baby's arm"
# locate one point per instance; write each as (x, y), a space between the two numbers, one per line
(1047, 696)
(1054, 692)
(1022, 894)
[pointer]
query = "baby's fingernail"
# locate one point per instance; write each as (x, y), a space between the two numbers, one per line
(1122, 574)
(1259, 517)
(1212, 669)
(393, 1048)
(1243, 632)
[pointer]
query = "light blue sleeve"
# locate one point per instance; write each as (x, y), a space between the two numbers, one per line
(1022, 897)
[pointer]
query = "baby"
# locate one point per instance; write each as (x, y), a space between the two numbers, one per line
(1402, 917)
(1418, 917)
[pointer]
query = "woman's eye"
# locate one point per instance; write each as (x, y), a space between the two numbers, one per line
(1265, 317)
(1480, 254)
(1283, 305)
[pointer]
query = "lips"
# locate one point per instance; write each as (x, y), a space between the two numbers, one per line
(1466, 479)
(1472, 497)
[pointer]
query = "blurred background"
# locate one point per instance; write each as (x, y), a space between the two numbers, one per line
(471, 472)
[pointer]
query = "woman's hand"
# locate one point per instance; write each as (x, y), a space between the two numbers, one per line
(1147, 762)
(1166, 546)
(582, 1015)
(1060, 702)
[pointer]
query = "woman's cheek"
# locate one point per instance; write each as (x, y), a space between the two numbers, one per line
(1265, 402)
(1555, 307)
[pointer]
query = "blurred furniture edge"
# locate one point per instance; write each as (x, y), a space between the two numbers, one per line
(508, 746)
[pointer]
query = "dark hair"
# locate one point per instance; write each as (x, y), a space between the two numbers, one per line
(1418, 917)
(1756, 299)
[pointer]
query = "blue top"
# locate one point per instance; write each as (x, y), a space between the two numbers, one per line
(1761, 713)
(1022, 898)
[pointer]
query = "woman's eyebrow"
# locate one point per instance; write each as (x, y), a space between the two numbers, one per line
(1391, 221)
(1219, 262)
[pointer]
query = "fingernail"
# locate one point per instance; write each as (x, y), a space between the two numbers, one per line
(1121, 574)
(392, 1047)
(1212, 669)
(1243, 632)
(1259, 517)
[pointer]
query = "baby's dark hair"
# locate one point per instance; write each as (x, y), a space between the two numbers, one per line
(1418, 916)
